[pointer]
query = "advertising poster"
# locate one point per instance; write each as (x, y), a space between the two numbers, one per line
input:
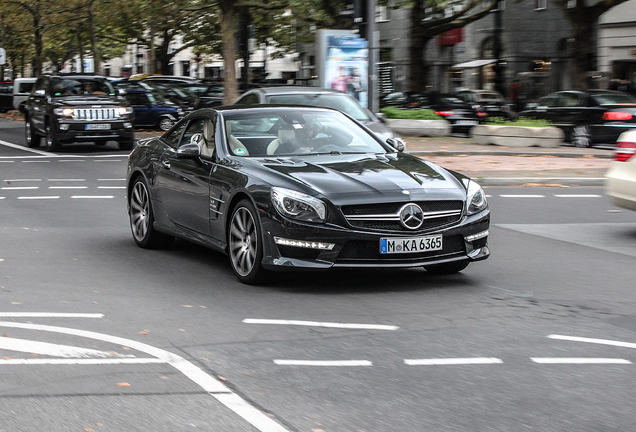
(346, 66)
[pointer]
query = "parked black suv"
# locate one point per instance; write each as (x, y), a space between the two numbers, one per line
(71, 108)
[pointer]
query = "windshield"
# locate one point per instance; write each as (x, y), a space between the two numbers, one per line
(81, 86)
(286, 132)
(337, 101)
(614, 99)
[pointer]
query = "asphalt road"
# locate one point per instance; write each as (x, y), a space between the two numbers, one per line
(541, 336)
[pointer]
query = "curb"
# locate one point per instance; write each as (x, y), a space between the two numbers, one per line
(551, 181)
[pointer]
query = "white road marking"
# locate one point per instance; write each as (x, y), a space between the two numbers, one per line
(111, 187)
(453, 361)
(80, 361)
(16, 146)
(68, 187)
(109, 160)
(323, 362)
(211, 385)
(596, 341)
(23, 180)
(578, 196)
(522, 196)
(577, 360)
(72, 160)
(36, 161)
(92, 197)
(49, 315)
(66, 180)
(54, 350)
(4, 161)
(113, 179)
(2, 197)
(321, 324)
(38, 197)
(19, 187)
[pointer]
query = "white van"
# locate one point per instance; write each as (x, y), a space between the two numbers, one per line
(21, 90)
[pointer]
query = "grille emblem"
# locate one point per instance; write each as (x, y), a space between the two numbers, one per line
(411, 216)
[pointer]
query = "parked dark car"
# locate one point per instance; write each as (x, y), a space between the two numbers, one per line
(490, 101)
(6, 96)
(318, 97)
(77, 108)
(587, 117)
(300, 188)
(153, 110)
(460, 114)
(178, 93)
(208, 95)
(171, 79)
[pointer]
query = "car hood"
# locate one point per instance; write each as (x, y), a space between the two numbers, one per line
(379, 129)
(360, 176)
(89, 101)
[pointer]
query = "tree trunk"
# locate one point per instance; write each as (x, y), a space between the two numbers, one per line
(37, 61)
(94, 47)
(419, 70)
(228, 21)
(583, 49)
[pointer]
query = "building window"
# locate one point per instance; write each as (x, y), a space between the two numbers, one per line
(381, 14)
(185, 68)
(541, 4)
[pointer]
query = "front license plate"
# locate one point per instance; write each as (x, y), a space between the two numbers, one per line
(466, 122)
(97, 127)
(410, 244)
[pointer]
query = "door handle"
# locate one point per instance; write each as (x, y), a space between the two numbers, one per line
(165, 163)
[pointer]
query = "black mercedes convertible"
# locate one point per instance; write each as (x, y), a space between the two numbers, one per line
(299, 188)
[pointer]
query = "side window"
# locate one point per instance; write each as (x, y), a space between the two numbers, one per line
(248, 99)
(193, 132)
(569, 100)
(172, 137)
(137, 98)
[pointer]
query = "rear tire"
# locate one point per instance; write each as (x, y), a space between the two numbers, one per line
(165, 123)
(142, 218)
(581, 136)
(447, 268)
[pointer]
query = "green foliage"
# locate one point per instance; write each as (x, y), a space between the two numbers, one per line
(521, 121)
(410, 114)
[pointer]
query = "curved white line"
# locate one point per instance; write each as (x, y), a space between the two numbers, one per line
(596, 341)
(216, 389)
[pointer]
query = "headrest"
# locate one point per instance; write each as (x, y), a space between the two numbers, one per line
(286, 135)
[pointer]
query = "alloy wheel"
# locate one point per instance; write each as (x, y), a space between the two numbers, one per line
(139, 211)
(243, 241)
(581, 136)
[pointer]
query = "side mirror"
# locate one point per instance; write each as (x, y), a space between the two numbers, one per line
(189, 151)
(396, 143)
(39, 92)
(381, 117)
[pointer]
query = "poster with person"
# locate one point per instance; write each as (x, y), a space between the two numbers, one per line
(346, 67)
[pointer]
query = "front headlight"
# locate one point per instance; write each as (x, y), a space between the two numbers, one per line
(298, 206)
(476, 198)
(66, 112)
(124, 110)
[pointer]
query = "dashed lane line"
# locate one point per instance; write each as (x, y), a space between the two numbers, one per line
(338, 363)
(594, 340)
(49, 315)
(320, 324)
(19, 187)
(578, 360)
(453, 361)
(38, 197)
(92, 196)
(75, 361)
(68, 187)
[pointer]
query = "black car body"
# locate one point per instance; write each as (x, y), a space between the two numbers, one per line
(177, 92)
(318, 97)
(490, 101)
(208, 95)
(151, 109)
(6, 96)
(77, 108)
(461, 115)
(229, 179)
(587, 117)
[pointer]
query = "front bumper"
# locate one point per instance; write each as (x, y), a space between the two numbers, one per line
(361, 249)
(75, 131)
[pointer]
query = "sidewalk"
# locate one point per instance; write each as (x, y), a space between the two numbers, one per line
(496, 165)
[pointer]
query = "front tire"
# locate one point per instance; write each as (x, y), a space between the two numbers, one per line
(142, 218)
(52, 141)
(581, 136)
(32, 138)
(245, 244)
(447, 268)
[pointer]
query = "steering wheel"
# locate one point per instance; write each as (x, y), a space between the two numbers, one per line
(328, 148)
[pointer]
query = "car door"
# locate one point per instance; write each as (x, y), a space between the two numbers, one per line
(182, 182)
(141, 106)
(571, 111)
(37, 104)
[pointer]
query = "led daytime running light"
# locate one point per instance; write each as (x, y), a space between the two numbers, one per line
(304, 244)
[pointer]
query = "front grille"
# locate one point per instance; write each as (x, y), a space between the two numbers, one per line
(95, 114)
(385, 217)
(356, 250)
